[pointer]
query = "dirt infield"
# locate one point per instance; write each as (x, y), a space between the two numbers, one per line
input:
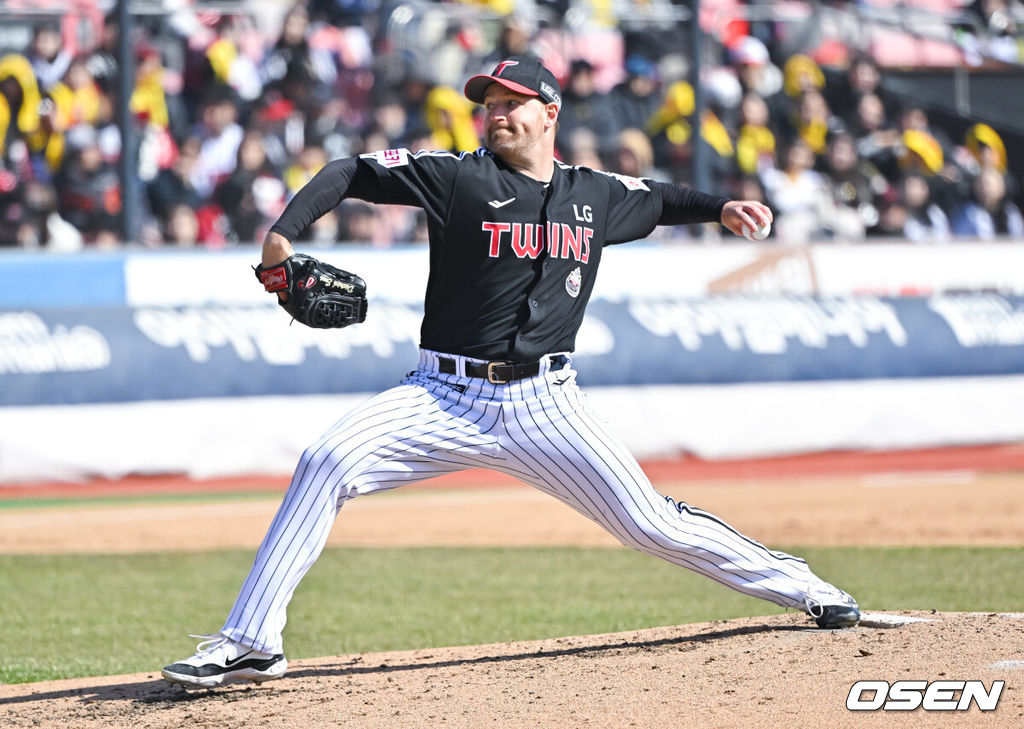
(955, 507)
(771, 672)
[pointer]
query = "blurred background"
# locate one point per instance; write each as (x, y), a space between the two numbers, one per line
(146, 147)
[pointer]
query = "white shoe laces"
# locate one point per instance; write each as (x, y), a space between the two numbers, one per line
(814, 608)
(208, 643)
(821, 593)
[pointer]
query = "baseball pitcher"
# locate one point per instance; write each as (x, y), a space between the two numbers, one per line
(516, 239)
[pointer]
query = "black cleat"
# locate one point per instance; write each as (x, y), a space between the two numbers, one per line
(218, 659)
(831, 607)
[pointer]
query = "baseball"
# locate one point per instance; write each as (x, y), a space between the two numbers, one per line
(759, 233)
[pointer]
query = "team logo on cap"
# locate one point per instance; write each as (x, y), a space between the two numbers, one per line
(573, 281)
(551, 93)
(503, 65)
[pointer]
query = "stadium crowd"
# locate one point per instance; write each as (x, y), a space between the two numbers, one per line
(231, 120)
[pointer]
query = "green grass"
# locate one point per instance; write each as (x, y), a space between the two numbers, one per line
(66, 616)
(63, 502)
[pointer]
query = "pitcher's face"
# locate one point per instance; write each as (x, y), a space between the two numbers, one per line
(515, 123)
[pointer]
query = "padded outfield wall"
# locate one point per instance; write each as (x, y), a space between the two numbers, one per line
(155, 362)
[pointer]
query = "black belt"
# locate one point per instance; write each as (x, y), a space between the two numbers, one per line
(497, 373)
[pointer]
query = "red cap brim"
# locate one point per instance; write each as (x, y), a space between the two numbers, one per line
(476, 87)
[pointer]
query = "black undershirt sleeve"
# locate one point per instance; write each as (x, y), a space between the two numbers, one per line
(681, 205)
(340, 179)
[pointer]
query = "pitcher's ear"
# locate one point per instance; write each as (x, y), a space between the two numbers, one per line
(550, 116)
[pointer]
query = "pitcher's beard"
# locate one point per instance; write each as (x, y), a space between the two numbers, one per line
(506, 144)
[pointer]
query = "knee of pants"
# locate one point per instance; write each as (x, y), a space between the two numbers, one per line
(641, 533)
(320, 467)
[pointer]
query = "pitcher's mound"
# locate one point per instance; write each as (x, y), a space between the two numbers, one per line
(776, 672)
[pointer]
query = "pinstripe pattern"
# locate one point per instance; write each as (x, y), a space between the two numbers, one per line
(540, 430)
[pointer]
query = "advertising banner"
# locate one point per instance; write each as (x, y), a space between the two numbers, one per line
(119, 354)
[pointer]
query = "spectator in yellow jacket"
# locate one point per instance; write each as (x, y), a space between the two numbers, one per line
(19, 103)
(450, 118)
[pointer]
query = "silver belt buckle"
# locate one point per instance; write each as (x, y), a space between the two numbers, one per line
(493, 378)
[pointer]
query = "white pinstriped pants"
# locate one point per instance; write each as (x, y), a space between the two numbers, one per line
(540, 430)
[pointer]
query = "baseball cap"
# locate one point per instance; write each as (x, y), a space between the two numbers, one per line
(522, 74)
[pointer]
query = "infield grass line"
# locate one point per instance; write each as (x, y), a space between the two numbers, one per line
(63, 502)
(274, 496)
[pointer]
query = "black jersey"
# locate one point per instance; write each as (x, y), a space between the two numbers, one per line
(513, 260)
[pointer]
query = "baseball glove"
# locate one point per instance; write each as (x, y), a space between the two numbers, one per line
(319, 295)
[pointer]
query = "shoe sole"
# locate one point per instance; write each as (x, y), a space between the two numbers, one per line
(245, 674)
(840, 620)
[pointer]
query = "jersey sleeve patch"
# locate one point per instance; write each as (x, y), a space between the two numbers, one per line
(388, 157)
(631, 183)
